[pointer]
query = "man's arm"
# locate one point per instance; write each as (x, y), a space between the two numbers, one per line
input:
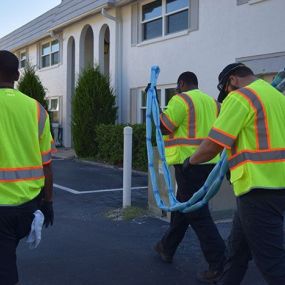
(48, 187)
(206, 151)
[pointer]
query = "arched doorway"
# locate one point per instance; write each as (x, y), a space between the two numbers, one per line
(70, 87)
(86, 47)
(104, 50)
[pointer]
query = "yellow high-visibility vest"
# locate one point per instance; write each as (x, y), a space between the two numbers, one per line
(25, 146)
(251, 127)
(189, 117)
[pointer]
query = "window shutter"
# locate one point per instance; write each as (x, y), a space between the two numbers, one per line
(133, 105)
(135, 24)
(193, 15)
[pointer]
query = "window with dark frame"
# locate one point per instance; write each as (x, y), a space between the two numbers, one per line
(163, 17)
(23, 59)
(50, 54)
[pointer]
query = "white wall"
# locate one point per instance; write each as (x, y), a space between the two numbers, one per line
(226, 32)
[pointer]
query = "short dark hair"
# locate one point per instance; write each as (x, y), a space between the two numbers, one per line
(189, 78)
(9, 65)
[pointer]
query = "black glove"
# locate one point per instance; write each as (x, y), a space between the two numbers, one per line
(186, 164)
(47, 209)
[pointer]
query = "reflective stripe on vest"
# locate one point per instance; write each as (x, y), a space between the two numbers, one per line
(257, 157)
(261, 128)
(167, 123)
(222, 137)
(46, 157)
(42, 115)
(11, 175)
(182, 141)
(191, 115)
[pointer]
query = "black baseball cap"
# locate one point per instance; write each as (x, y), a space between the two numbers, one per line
(8, 61)
(223, 78)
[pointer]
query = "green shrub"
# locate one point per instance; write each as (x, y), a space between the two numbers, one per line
(93, 104)
(30, 85)
(110, 143)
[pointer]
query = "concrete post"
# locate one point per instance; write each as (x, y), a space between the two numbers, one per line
(127, 172)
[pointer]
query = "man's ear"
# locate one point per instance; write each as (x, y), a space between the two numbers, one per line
(17, 75)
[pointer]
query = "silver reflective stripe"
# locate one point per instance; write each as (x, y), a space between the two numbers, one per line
(257, 157)
(216, 135)
(181, 141)
(260, 120)
(22, 174)
(42, 115)
(169, 125)
(46, 157)
(191, 115)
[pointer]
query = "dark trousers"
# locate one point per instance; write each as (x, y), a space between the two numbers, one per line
(257, 233)
(211, 242)
(15, 223)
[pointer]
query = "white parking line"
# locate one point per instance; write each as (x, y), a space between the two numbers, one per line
(76, 192)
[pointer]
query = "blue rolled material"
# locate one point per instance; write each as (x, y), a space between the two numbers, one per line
(213, 182)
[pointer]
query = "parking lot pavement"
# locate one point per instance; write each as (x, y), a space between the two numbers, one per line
(84, 247)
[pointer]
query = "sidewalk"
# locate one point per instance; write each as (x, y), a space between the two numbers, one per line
(64, 153)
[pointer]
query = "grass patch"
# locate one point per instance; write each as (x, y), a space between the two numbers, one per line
(127, 214)
(130, 213)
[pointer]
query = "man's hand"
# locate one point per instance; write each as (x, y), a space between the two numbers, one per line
(186, 164)
(47, 209)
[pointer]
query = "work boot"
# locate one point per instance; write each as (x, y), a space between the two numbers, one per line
(163, 255)
(209, 276)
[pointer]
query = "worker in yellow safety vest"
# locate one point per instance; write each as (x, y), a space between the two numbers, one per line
(186, 121)
(25, 166)
(251, 127)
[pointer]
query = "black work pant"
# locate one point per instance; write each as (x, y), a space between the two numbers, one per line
(257, 233)
(15, 223)
(211, 242)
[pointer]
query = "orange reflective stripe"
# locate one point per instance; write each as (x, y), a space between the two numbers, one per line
(261, 125)
(183, 141)
(42, 115)
(46, 157)
(222, 137)
(257, 157)
(191, 115)
(167, 123)
(20, 174)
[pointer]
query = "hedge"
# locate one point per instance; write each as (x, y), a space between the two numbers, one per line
(110, 143)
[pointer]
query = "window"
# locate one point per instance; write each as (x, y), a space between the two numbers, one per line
(50, 53)
(164, 95)
(53, 107)
(152, 20)
(163, 17)
(23, 59)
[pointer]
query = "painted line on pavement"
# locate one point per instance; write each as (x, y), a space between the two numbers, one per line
(76, 192)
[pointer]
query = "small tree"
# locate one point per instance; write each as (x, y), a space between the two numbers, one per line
(30, 84)
(93, 104)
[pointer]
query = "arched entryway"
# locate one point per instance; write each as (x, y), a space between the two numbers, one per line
(86, 47)
(104, 50)
(70, 86)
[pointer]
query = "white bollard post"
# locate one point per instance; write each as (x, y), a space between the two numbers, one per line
(127, 172)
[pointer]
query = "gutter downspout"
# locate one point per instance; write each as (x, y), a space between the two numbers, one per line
(118, 59)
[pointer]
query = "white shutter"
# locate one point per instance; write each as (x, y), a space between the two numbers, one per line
(133, 105)
(135, 24)
(193, 15)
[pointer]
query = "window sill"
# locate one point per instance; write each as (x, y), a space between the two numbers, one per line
(164, 38)
(49, 67)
